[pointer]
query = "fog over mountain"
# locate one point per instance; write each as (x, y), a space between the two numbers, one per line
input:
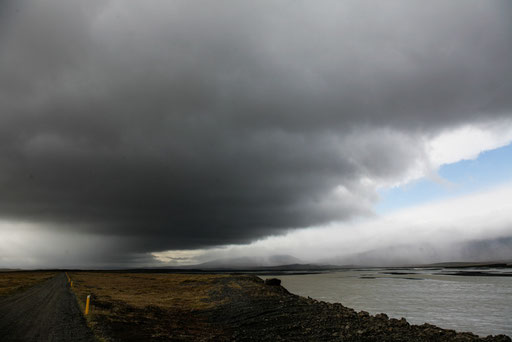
(134, 128)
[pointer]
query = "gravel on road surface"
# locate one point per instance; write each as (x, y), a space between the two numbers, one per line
(46, 312)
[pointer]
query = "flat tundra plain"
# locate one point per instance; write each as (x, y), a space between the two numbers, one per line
(188, 307)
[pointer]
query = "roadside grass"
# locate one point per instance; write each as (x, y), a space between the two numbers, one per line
(16, 281)
(134, 306)
(142, 290)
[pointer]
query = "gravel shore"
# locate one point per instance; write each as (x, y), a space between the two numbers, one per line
(274, 314)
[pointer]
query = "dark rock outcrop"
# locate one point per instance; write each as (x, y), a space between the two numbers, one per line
(273, 282)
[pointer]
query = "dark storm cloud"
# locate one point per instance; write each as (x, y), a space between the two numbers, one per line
(189, 125)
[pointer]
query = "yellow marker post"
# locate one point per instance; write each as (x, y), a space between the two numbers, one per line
(87, 304)
(71, 284)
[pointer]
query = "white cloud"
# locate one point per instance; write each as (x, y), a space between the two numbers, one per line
(468, 141)
(422, 155)
(178, 257)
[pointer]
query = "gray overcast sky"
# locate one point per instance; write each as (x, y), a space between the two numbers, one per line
(157, 125)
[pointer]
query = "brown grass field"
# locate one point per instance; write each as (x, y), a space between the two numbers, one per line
(14, 281)
(132, 307)
(141, 290)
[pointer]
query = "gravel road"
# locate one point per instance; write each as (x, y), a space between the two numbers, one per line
(45, 312)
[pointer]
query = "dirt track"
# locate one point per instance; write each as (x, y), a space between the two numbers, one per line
(45, 312)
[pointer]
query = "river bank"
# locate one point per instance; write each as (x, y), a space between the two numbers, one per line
(480, 304)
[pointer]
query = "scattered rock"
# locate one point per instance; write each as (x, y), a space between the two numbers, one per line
(382, 316)
(273, 282)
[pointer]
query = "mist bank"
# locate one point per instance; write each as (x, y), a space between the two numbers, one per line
(472, 228)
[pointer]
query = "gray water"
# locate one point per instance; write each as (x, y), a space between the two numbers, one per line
(480, 304)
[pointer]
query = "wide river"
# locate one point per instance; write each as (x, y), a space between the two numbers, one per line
(480, 304)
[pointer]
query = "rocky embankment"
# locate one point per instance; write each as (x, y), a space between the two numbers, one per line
(268, 312)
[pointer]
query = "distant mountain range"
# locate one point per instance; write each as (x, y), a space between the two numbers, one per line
(250, 262)
(273, 263)
(368, 259)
